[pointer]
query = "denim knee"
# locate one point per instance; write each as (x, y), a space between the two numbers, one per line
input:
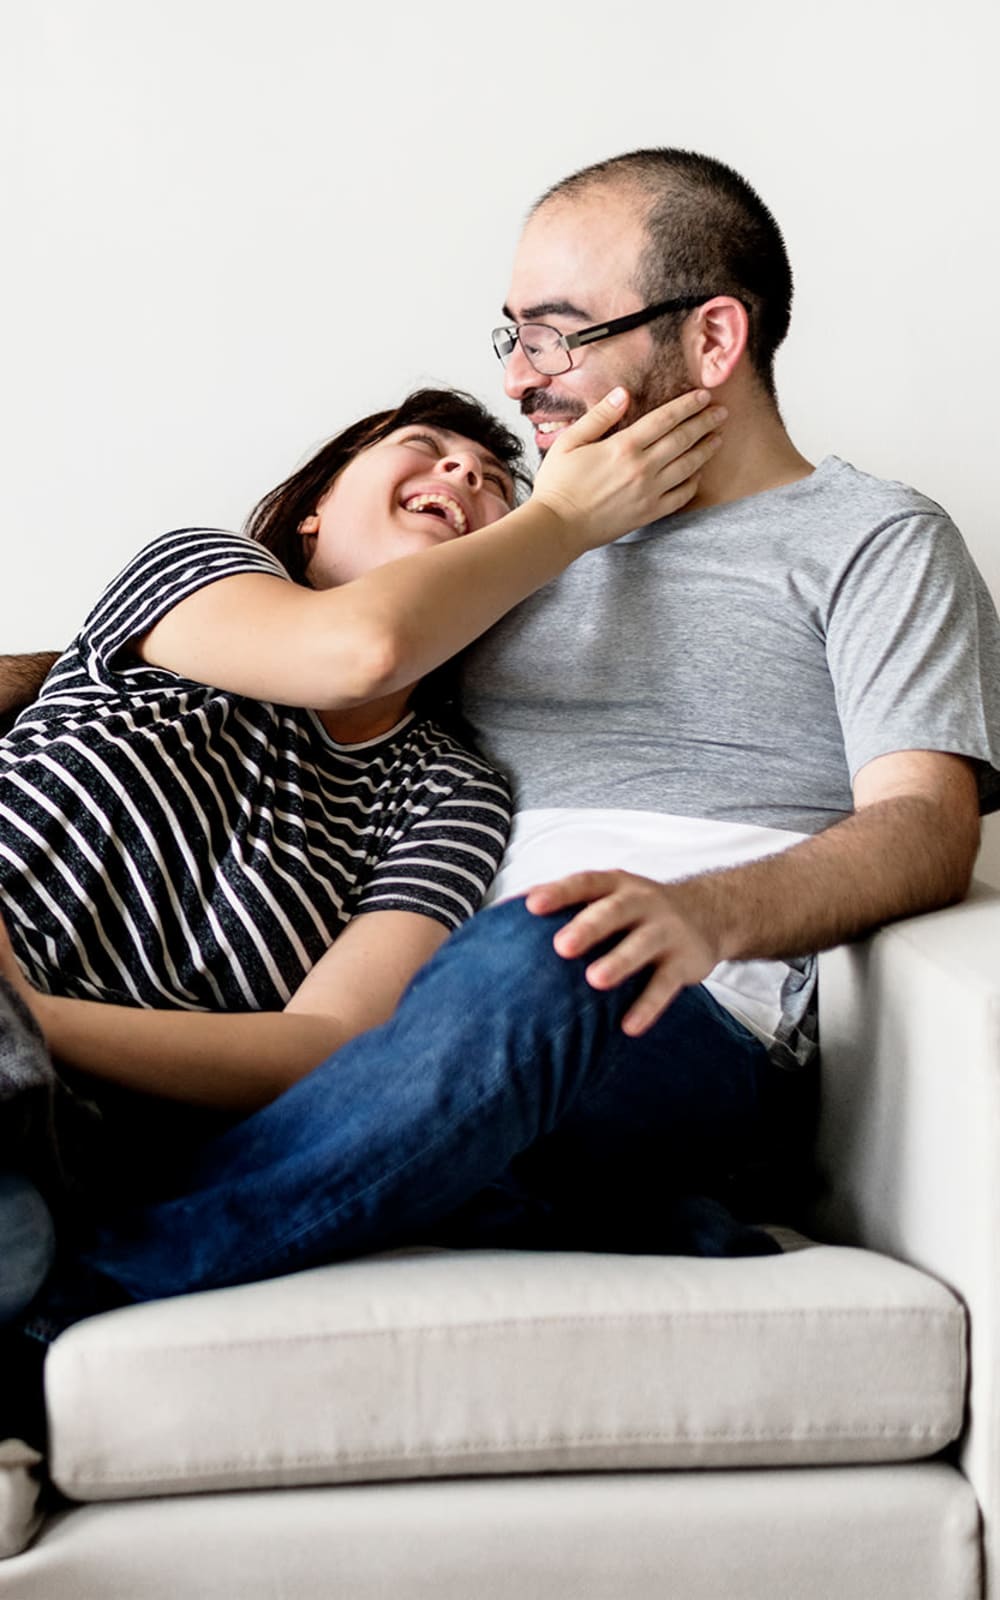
(502, 969)
(28, 1244)
(510, 942)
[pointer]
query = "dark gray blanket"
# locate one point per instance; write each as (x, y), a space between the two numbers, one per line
(47, 1129)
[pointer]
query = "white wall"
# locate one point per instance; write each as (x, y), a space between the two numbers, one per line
(232, 225)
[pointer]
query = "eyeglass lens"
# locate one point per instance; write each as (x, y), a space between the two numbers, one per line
(542, 347)
(540, 344)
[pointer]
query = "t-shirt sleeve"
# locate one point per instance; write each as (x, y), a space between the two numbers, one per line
(445, 858)
(913, 643)
(162, 574)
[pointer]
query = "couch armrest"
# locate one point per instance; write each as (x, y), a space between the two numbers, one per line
(909, 1145)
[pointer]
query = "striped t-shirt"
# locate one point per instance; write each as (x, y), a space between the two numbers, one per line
(164, 843)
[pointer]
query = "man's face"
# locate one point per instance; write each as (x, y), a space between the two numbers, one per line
(574, 267)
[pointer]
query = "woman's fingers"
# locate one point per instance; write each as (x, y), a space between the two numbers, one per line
(675, 443)
(682, 411)
(600, 488)
(683, 469)
(680, 448)
(593, 424)
(676, 424)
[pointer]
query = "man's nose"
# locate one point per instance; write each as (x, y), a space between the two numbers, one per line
(519, 375)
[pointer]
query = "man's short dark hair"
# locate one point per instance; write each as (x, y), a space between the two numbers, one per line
(707, 231)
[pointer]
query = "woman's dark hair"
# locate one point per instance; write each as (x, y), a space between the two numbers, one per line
(274, 521)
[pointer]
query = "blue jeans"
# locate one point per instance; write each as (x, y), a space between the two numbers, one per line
(501, 1103)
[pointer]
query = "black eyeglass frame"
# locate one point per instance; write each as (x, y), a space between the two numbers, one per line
(509, 333)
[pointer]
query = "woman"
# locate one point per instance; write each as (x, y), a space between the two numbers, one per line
(232, 797)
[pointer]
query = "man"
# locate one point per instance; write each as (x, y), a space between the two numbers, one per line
(760, 728)
(708, 685)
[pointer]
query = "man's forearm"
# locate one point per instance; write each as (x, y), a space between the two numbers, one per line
(910, 846)
(22, 676)
(893, 859)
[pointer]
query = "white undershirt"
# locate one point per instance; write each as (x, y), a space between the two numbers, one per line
(549, 843)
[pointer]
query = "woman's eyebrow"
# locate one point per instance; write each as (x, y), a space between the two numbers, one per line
(490, 460)
(494, 461)
(487, 456)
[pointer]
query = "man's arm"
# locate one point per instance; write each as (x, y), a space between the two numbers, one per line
(910, 846)
(21, 677)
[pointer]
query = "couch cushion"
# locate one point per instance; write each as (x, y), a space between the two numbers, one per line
(426, 1363)
(20, 1495)
(829, 1533)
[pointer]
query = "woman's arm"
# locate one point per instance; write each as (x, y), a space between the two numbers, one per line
(270, 640)
(241, 1061)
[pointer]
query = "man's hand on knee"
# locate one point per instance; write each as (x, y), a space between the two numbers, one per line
(668, 927)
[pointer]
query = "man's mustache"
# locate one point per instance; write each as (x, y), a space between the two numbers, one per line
(540, 400)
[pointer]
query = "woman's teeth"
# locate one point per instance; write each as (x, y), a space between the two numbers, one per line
(453, 513)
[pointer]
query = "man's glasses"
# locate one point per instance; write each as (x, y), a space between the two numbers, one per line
(548, 350)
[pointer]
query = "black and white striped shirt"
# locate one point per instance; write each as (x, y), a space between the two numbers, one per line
(163, 843)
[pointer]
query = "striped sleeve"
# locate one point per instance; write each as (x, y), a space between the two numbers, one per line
(443, 863)
(163, 573)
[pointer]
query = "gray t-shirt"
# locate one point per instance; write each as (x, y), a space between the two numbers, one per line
(739, 665)
(743, 662)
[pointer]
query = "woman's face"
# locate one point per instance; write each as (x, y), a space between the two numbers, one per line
(418, 487)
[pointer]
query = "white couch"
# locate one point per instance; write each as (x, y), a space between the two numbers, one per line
(486, 1426)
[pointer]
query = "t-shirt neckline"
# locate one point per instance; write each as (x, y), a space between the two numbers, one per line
(685, 519)
(361, 744)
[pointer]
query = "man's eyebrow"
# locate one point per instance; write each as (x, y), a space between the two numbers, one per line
(550, 308)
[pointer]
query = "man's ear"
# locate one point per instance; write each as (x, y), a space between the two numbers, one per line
(716, 337)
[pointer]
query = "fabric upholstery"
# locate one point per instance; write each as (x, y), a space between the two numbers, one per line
(425, 1364)
(540, 1360)
(20, 1513)
(899, 1533)
(910, 1137)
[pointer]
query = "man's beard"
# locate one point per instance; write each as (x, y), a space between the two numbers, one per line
(663, 378)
